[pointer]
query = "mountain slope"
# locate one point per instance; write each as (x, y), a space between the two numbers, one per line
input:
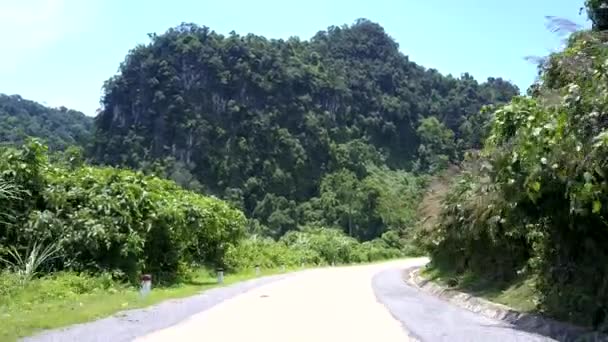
(262, 121)
(59, 128)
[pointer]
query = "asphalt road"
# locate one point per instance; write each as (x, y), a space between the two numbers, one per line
(330, 304)
(428, 318)
(358, 303)
(128, 325)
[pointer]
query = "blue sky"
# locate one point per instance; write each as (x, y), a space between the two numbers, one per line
(59, 52)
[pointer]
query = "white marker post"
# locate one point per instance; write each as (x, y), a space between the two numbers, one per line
(257, 270)
(220, 276)
(146, 285)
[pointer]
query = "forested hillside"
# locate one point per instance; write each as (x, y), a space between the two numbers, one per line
(58, 127)
(293, 132)
(533, 204)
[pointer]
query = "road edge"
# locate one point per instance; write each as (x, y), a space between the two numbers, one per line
(126, 325)
(533, 323)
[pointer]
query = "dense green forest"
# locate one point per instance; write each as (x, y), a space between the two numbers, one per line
(123, 223)
(72, 233)
(236, 151)
(533, 202)
(292, 132)
(58, 127)
(320, 148)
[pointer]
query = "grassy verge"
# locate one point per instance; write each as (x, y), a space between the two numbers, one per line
(67, 298)
(517, 294)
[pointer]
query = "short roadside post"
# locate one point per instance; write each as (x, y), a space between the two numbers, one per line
(257, 270)
(146, 284)
(220, 275)
(282, 268)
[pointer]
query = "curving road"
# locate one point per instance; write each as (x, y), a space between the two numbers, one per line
(362, 303)
(358, 303)
(429, 318)
(329, 304)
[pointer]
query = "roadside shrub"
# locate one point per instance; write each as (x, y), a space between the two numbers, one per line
(312, 246)
(535, 202)
(59, 285)
(120, 221)
(376, 250)
(265, 252)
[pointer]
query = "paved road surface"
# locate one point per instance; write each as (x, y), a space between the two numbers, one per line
(359, 303)
(431, 319)
(363, 303)
(331, 304)
(128, 325)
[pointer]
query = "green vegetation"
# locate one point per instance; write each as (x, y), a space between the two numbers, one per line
(75, 238)
(517, 293)
(313, 246)
(532, 204)
(106, 219)
(289, 129)
(224, 151)
(598, 13)
(57, 127)
(68, 298)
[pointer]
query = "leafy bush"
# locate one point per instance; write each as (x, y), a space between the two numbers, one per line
(311, 246)
(384, 200)
(108, 219)
(124, 223)
(266, 253)
(535, 201)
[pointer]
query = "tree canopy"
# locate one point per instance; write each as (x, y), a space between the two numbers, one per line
(58, 127)
(269, 123)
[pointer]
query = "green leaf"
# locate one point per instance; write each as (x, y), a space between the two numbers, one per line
(535, 186)
(597, 206)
